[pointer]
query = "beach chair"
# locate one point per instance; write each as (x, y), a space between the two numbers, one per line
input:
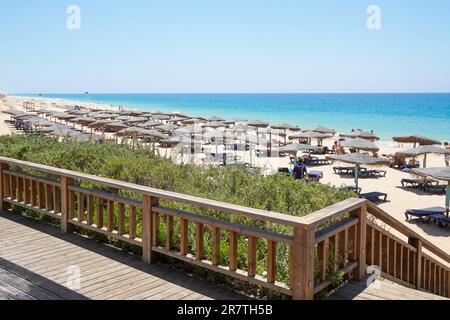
(374, 196)
(425, 215)
(347, 170)
(441, 219)
(434, 187)
(374, 173)
(315, 175)
(353, 189)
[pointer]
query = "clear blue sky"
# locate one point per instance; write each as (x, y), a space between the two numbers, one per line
(224, 46)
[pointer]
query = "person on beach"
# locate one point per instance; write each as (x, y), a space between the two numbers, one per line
(447, 156)
(300, 171)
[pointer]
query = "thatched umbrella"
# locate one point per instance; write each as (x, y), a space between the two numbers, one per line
(192, 121)
(177, 119)
(168, 127)
(360, 144)
(416, 139)
(56, 127)
(149, 124)
(258, 124)
(311, 135)
(285, 127)
(122, 118)
(442, 174)
(214, 124)
(161, 117)
(39, 122)
(295, 148)
(358, 160)
(104, 116)
(423, 150)
(215, 118)
(136, 120)
(322, 129)
(178, 115)
(361, 134)
(84, 121)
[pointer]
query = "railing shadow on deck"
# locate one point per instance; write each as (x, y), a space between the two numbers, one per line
(37, 285)
(202, 286)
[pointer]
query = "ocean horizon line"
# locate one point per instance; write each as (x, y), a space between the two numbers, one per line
(232, 93)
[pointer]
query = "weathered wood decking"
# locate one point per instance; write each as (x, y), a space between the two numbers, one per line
(381, 290)
(35, 259)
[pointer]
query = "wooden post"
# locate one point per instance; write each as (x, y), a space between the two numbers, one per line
(3, 205)
(302, 264)
(360, 272)
(147, 228)
(65, 205)
(416, 243)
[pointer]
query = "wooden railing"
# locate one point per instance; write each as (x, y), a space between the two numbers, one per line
(338, 239)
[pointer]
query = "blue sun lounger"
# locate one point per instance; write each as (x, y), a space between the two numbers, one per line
(441, 219)
(374, 196)
(425, 214)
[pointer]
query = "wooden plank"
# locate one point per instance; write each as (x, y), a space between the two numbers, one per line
(132, 227)
(271, 261)
(215, 239)
(56, 199)
(184, 237)
(251, 243)
(3, 185)
(322, 255)
(121, 219)
(80, 206)
(99, 205)
(199, 240)
(110, 215)
(303, 260)
(27, 191)
(19, 183)
(48, 197)
(361, 213)
(41, 195)
(90, 210)
(66, 204)
(169, 232)
(233, 242)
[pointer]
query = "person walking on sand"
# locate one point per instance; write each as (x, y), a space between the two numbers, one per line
(300, 171)
(447, 156)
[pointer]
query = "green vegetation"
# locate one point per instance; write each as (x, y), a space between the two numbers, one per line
(279, 193)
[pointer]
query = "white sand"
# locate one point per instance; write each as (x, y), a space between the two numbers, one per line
(400, 199)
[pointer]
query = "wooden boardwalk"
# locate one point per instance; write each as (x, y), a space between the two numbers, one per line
(37, 261)
(381, 290)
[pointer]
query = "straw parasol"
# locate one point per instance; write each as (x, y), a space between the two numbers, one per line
(416, 139)
(311, 135)
(442, 174)
(136, 120)
(168, 127)
(215, 118)
(149, 124)
(192, 121)
(214, 124)
(322, 129)
(423, 150)
(360, 144)
(161, 117)
(360, 134)
(358, 160)
(83, 120)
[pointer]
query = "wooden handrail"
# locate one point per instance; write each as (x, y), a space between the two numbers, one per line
(341, 231)
(162, 194)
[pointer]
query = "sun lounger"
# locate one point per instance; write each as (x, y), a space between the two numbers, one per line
(314, 161)
(425, 213)
(434, 188)
(347, 170)
(442, 220)
(373, 173)
(353, 189)
(315, 175)
(374, 196)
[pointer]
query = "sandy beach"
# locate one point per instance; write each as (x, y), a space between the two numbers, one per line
(400, 199)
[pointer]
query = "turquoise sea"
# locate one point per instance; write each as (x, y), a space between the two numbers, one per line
(388, 114)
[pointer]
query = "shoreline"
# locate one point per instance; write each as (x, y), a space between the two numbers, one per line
(385, 139)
